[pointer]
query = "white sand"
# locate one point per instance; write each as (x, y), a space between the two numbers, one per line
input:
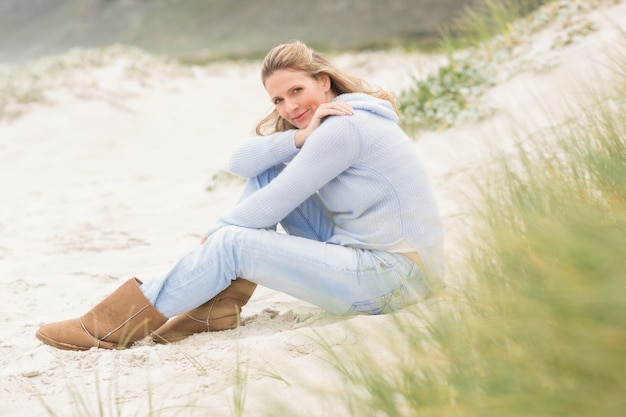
(96, 190)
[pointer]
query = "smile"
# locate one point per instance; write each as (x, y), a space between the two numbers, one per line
(299, 117)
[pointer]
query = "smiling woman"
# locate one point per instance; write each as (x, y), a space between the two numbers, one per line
(332, 167)
(304, 101)
(314, 66)
(295, 94)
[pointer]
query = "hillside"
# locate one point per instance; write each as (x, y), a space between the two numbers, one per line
(30, 28)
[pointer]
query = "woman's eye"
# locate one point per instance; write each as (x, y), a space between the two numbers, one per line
(277, 101)
(297, 90)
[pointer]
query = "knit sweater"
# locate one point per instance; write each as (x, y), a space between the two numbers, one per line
(366, 172)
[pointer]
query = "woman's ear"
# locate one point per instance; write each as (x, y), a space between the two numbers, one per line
(325, 80)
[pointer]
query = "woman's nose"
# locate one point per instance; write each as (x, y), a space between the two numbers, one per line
(292, 105)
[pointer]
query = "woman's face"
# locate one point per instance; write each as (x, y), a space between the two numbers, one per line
(296, 95)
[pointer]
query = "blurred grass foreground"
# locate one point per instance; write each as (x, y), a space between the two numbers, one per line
(541, 330)
(538, 327)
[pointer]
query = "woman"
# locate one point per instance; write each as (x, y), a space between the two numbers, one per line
(331, 165)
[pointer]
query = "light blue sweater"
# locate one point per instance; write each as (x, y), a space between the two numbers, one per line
(366, 172)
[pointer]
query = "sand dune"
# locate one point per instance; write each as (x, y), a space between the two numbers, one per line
(108, 180)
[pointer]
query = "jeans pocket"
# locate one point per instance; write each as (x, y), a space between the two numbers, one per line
(420, 287)
(378, 305)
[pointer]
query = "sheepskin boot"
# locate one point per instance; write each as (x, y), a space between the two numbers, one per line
(118, 321)
(221, 312)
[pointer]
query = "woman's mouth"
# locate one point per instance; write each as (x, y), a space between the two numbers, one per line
(299, 117)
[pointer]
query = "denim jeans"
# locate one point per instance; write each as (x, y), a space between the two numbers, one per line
(342, 280)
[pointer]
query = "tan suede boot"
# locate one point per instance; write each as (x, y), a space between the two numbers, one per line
(219, 313)
(117, 322)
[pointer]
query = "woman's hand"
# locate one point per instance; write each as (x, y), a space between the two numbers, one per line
(333, 108)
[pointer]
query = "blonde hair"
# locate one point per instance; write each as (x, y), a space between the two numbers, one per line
(298, 56)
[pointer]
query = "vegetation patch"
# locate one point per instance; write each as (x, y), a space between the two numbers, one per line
(95, 73)
(498, 43)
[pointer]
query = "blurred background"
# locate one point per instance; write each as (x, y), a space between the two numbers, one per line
(217, 29)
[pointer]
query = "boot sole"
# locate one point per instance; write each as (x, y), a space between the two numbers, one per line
(164, 340)
(58, 345)
(66, 346)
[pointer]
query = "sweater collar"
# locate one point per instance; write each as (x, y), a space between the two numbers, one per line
(362, 101)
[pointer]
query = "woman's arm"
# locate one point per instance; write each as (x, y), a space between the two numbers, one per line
(257, 154)
(332, 108)
(329, 150)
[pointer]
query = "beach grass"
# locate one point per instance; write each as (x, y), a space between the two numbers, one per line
(536, 325)
(108, 395)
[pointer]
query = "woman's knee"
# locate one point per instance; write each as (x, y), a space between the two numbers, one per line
(256, 183)
(267, 176)
(230, 235)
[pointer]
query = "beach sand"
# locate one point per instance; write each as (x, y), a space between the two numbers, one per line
(109, 181)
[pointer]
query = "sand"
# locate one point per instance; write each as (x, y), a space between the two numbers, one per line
(109, 181)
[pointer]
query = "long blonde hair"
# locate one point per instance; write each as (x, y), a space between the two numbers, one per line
(298, 56)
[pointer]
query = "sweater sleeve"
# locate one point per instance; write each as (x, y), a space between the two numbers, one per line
(257, 154)
(330, 150)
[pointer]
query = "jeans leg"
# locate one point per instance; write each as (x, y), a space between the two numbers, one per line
(309, 219)
(341, 280)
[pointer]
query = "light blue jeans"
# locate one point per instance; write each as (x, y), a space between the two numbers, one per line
(340, 279)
